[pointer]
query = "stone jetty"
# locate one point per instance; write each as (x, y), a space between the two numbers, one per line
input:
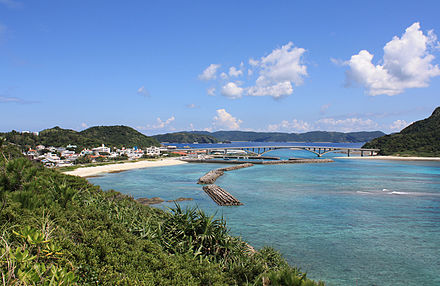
(211, 176)
(261, 162)
(220, 196)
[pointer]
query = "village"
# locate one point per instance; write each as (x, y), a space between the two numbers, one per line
(68, 156)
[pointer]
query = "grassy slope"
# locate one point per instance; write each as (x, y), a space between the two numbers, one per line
(105, 238)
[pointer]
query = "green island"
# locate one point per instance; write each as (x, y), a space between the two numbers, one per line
(421, 138)
(61, 230)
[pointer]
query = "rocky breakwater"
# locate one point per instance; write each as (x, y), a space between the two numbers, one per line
(211, 176)
(220, 196)
(217, 194)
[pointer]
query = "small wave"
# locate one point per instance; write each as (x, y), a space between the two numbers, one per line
(415, 194)
(400, 193)
(385, 190)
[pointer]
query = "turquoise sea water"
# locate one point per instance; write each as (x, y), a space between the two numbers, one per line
(351, 222)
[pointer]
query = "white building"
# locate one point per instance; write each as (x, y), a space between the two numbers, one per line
(102, 149)
(152, 151)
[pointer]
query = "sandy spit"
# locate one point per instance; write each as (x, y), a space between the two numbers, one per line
(397, 158)
(114, 168)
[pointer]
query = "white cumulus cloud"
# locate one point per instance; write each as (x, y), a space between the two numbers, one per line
(399, 125)
(232, 90)
(273, 75)
(346, 124)
(210, 72)
(234, 72)
(253, 62)
(291, 126)
(278, 71)
(224, 120)
(407, 63)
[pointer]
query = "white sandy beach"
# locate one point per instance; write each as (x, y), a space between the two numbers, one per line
(93, 171)
(393, 158)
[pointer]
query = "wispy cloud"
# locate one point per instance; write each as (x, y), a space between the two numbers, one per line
(159, 124)
(11, 3)
(191, 106)
(12, 99)
(143, 91)
(324, 108)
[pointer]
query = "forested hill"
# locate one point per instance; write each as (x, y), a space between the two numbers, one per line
(422, 138)
(314, 136)
(185, 137)
(119, 136)
(113, 136)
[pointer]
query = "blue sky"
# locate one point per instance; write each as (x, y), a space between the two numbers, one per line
(291, 66)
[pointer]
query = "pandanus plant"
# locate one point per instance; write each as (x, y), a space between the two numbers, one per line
(191, 230)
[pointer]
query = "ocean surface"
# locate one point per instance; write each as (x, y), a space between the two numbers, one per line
(351, 222)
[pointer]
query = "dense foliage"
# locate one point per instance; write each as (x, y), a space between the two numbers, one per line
(185, 137)
(314, 136)
(113, 136)
(422, 138)
(61, 230)
(119, 136)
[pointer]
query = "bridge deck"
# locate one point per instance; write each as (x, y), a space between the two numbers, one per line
(318, 150)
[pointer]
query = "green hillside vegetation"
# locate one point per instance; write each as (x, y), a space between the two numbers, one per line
(185, 137)
(113, 136)
(61, 230)
(314, 136)
(119, 136)
(422, 138)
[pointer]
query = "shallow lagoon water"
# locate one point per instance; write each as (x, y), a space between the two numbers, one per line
(351, 222)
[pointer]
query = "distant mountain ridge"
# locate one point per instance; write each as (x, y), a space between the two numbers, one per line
(113, 136)
(421, 138)
(314, 136)
(185, 137)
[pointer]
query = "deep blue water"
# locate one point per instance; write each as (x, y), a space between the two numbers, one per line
(351, 222)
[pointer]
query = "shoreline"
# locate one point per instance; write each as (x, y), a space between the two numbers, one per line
(394, 158)
(117, 167)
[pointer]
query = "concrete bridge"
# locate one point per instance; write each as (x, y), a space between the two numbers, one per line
(261, 150)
